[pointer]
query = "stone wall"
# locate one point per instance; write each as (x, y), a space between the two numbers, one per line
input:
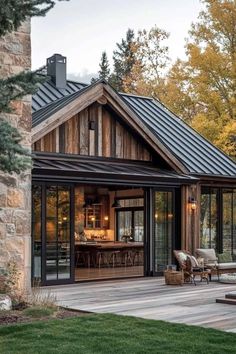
(15, 190)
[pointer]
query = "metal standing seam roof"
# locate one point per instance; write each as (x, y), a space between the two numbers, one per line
(198, 155)
(48, 93)
(103, 168)
(194, 151)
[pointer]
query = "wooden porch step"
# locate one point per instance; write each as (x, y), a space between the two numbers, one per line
(231, 295)
(226, 301)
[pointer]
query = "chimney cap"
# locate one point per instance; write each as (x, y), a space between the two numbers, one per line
(56, 69)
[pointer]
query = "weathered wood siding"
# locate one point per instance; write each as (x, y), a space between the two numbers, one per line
(110, 138)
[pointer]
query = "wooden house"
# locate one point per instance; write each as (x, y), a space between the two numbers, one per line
(119, 182)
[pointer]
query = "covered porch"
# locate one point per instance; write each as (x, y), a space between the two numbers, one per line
(95, 218)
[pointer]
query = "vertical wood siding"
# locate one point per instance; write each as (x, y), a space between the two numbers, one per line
(110, 138)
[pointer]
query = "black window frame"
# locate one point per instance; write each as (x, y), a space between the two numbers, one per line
(219, 224)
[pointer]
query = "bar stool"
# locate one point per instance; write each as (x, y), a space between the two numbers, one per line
(83, 256)
(138, 256)
(114, 258)
(127, 257)
(101, 258)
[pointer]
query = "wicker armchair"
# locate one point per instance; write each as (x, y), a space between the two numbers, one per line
(190, 267)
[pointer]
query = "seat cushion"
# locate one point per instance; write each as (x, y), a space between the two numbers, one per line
(211, 264)
(208, 254)
(230, 265)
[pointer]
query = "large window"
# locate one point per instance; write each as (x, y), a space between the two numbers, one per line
(209, 217)
(130, 219)
(218, 219)
(164, 228)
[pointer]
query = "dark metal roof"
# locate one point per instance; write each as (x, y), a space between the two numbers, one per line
(197, 154)
(48, 93)
(44, 113)
(90, 169)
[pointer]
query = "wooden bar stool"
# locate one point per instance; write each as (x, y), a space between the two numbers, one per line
(102, 258)
(84, 257)
(138, 257)
(127, 257)
(114, 258)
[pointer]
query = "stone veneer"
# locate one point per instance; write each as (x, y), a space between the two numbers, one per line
(15, 189)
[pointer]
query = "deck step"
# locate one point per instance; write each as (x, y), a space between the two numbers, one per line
(226, 301)
(231, 295)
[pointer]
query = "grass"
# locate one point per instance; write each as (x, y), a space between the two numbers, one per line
(38, 312)
(112, 334)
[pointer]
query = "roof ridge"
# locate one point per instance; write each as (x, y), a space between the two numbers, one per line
(134, 95)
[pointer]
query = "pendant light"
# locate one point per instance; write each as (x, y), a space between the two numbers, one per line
(116, 203)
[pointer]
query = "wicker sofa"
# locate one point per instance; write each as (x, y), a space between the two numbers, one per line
(221, 263)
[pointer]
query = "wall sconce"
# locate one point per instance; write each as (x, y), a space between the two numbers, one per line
(106, 218)
(193, 203)
(91, 125)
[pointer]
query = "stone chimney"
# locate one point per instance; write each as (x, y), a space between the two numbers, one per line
(56, 68)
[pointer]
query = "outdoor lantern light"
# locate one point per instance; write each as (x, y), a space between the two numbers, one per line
(193, 203)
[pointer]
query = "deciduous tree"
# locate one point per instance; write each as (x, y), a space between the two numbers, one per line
(202, 89)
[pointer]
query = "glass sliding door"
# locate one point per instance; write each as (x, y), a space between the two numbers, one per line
(37, 233)
(57, 233)
(163, 229)
(52, 234)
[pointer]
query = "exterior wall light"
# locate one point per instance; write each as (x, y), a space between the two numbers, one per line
(193, 203)
(106, 218)
(91, 125)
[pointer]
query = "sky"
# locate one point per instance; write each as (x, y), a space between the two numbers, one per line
(82, 30)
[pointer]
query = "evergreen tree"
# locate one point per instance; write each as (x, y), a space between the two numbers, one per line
(14, 12)
(13, 157)
(124, 60)
(104, 72)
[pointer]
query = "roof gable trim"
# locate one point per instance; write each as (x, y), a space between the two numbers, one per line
(103, 93)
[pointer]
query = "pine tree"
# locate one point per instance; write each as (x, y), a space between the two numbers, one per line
(13, 157)
(14, 12)
(124, 60)
(104, 72)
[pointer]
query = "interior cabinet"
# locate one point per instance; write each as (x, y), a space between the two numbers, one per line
(96, 216)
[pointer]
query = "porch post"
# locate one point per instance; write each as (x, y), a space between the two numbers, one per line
(190, 218)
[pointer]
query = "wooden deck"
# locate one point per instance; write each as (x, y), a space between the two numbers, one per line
(150, 298)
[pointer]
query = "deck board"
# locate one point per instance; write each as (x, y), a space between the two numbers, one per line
(150, 298)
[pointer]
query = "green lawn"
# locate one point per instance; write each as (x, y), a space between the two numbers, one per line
(113, 334)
